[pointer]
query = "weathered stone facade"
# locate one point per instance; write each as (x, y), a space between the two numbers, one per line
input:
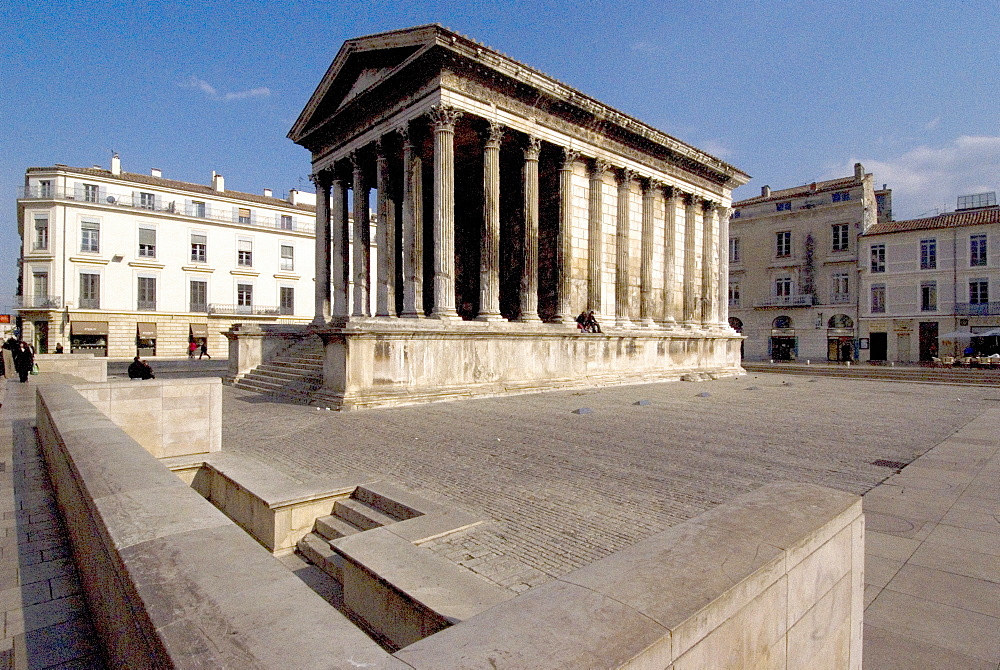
(507, 202)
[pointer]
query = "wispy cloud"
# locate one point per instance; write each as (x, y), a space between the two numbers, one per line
(933, 123)
(212, 92)
(927, 178)
(716, 148)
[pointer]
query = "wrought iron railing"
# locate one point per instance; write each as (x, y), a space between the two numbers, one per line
(249, 310)
(90, 303)
(977, 308)
(146, 305)
(805, 300)
(37, 302)
(178, 206)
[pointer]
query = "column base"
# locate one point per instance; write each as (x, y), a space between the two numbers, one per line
(490, 317)
(413, 315)
(531, 317)
(445, 316)
(647, 322)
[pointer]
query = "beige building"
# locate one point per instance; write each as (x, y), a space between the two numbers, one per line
(927, 285)
(118, 263)
(793, 273)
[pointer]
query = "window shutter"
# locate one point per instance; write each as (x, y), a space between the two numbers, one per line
(102, 194)
(236, 214)
(78, 191)
(136, 199)
(147, 236)
(188, 207)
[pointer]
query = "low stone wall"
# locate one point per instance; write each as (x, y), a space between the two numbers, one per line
(168, 417)
(169, 580)
(84, 366)
(773, 579)
(252, 344)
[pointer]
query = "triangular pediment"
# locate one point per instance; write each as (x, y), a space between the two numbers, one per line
(360, 65)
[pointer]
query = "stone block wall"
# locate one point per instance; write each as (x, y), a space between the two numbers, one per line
(84, 366)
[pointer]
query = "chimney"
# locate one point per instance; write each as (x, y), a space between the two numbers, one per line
(293, 197)
(218, 183)
(859, 171)
(765, 191)
(116, 165)
(267, 193)
(155, 172)
(812, 187)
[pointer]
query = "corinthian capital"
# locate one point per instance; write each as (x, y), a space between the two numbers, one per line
(599, 167)
(709, 205)
(443, 117)
(532, 148)
(627, 175)
(570, 156)
(494, 135)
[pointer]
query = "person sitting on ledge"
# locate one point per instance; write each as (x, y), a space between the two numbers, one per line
(140, 369)
(591, 325)
(59, 347)
(581, 321)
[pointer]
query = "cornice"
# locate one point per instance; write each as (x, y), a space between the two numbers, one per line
(86, 259)
(197, 268)
(244, 273)
(146, 264)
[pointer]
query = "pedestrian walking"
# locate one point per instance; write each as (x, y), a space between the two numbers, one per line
(204, 350)
(24, 361)
(192, 347)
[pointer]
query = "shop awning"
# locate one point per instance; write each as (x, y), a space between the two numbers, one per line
(89, 327)
(146, 331)
(199, 330)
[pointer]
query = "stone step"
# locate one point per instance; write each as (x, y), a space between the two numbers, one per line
(317, 550)
(287, 374)
(362, 515)
(331, 527)
(388, 501)
(290, 369)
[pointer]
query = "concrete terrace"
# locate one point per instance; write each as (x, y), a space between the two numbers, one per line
(563, 489)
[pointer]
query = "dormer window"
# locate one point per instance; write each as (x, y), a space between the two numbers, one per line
(783, 206)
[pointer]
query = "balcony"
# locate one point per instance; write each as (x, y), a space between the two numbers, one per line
(977, 309)
(90, 303)
(146, 305)
(806, 300)
(125, 200)
(37, 302)
(243, 310)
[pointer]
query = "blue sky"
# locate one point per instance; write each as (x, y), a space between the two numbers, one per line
(790, 92)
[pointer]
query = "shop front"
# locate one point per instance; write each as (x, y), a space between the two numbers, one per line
(783, 345)
(198, 334)
(89, 337)
(840, 339)
(145, 339)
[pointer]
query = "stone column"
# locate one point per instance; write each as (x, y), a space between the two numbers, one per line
(323, 251)
(413, 229)
(708, 263)
(564, 245)
(649, 190)
(670, 311)
(690, 258)
(385, 241)
(362, 240)
(722, 296)
(489, 239)
(529, 273)
(622, 319)
(443, 120)
(340, 266)
(595, 253)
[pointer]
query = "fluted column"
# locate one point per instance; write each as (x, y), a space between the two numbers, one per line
(649, 190)
(670, 311)
(529, 272)
(621, 250)
(323, 251)
(443, 120)
(708, 263)
(361, 240)
(691, 206)
(413, 229)
(722, 295)
(595, 253)
(564, 245)
(489, 250)
(385, 242)
(340, 243)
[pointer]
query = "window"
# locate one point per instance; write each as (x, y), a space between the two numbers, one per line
(783, 206)
(147, 201)
(979, 292)
(734, 250)
(734, 294)
(242, 215)
(977, 250)
(287, 300)
(198, 208)
(736, 214)
(147, 242)
(841, 287)
(90, 291)
(244, 253)
(41, 231)
(841, 196)
(287, 257)
(783, 287)
(45, 188)
(928, 296)
(878, 298)
(90, 236)
(90, 193)
(199, 296)
(244, 297)
(40, 287)
(928, 254)
(878, 258)
(840, 239)
(286, 222)
(147, 294)
(199, 247)
(783, 244)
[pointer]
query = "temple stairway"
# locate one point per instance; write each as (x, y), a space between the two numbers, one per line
(295, 373)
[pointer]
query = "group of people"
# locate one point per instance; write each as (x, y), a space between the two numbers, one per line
(23, 357)
(202, 350)
(587, 323)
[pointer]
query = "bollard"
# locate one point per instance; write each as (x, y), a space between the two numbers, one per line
(848, 363)
(808, 362)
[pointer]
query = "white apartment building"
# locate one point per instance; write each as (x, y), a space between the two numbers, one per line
(926, 284)
(119, 263)
(793, 279)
